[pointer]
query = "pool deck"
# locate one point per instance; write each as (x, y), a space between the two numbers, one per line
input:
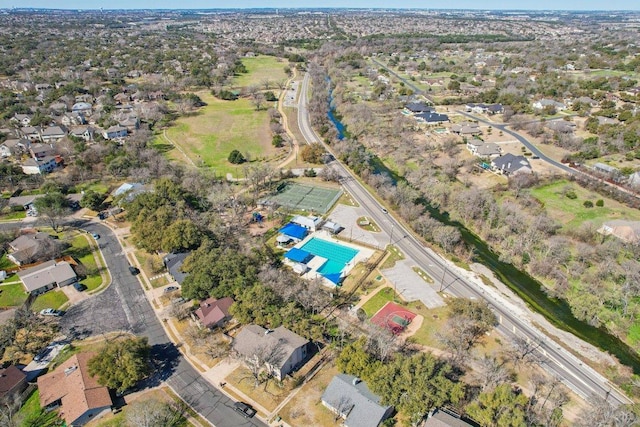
(362, 255)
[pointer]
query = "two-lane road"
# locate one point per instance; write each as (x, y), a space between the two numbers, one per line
(580, 378)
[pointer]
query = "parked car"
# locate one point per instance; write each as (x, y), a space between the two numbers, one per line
(133, 270)
(79, 286)
(245, 409)
(170, 289)
(95, 236)
(50, 312)
(385, 211)
(40, 356)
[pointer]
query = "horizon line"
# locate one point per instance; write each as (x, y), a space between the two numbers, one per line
(27, 8)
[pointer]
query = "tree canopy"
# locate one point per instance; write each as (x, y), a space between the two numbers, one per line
(53, 207)
(500, 407)
(121, 364)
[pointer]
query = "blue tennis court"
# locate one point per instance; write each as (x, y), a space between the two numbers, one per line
(337, 255)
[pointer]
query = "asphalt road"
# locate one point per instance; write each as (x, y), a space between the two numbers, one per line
(123, 306)
(578, 377)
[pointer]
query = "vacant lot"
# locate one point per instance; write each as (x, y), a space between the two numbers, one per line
(260, 69)
(572, 213)
(209, 136)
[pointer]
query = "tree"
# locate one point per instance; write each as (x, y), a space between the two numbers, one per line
(601, 412)
(312, 153)
(258, 99)
(263, 359)
(153, 412)
(53, 207)
(92, 200)
(416, 384)
(121, 364)
(236, 157)
(500, 407)
(355, 360)
(469, 320)
(181, 235)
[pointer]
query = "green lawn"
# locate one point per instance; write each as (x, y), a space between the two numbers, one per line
(259, 69)
(208, 137)
(34, 415)
(5, 263)
(13, 216)
(378, 301)
(52, 299)
(12, 295)
(81, 250)
(571, 213)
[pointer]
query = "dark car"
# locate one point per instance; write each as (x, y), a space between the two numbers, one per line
(170, 289)
(44, 353)
(245, 409)
(133, 270)
(79, 286)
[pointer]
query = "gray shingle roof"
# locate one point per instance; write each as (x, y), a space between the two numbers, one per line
(252, 337)
(361, 406)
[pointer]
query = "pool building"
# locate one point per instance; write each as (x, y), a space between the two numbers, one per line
(320, 255)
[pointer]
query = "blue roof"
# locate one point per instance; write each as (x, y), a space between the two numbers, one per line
(298, 255)
(294, 230)
(333, 277)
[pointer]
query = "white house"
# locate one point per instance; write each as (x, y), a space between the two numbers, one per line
(311, 223)
(34, 167)
(46, 276)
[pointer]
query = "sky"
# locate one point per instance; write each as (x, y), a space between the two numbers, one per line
(217, 4)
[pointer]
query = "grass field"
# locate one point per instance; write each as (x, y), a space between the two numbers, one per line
(378, 301)
(81, 250)
(5, 263)
(55, 298)
(209, 136)
(259, 69)
(34, 415)
(12, 216)
(571, 213)
(12, 295)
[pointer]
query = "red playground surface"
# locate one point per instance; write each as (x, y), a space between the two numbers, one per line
(393, 317)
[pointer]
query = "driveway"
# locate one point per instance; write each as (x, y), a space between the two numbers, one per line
(124, 307)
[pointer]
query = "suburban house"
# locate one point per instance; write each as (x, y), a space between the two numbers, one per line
(419, 107)
(53, 134)
(44, 277)
(509, 164)
(13, 147)
(45, 165)
(289, 349)
(29, 247)
(81, 107)
(31, 133)
(12, 381)
(468, 128)
(311, 223)
(129, 190)
(443, 418)
(607, 120)
(173, 263)
(543, 103)
(484, 108)
(214, 312)
(78, 395)
(22, 119)
(84, 132)
(634, 180)
(489, 149)
(40, 151)
(350, 398)
(627, 231)
(114, 132)
(431, 117)
(72, 119)
(473, 144)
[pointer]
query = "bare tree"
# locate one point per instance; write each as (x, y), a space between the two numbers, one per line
(266, 84)
(381, 341)
(342, 406)
(258, 100)
(153, 412)
(524, 351)
(263, 360)
(602, 413)
(492, 372)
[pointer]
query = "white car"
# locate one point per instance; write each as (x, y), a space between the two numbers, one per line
(50, 312)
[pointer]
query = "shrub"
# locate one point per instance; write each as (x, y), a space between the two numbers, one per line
(588, 204)
(236, 157)
(571, 195)
(277, 140)
(600, 203)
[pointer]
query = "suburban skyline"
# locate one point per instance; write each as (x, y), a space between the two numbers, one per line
(614, 5)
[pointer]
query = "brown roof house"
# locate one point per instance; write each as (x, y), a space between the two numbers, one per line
(29, 247)
(281, 350)
(46, 276)
(77, 394)
(214, 312)
(12, 380)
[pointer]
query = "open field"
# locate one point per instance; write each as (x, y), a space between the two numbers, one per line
(208, 136)
(571, 213)
(55, 298)
(260, 69)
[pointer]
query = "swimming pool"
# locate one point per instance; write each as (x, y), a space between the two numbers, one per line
(337, 255)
